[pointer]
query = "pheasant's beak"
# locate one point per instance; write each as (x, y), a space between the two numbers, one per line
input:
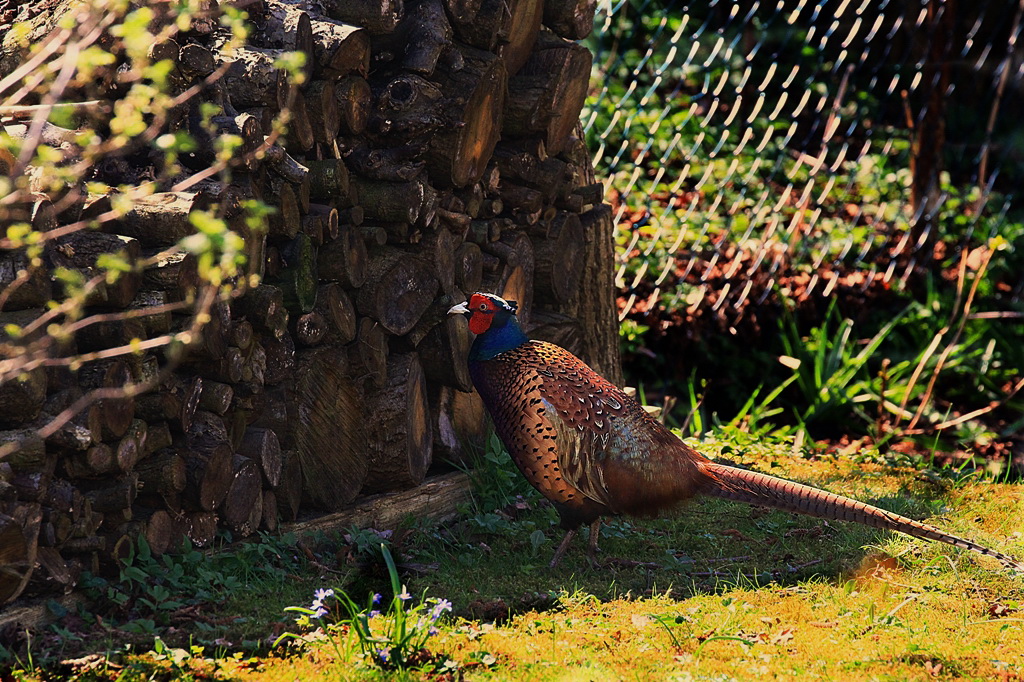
(459, 309)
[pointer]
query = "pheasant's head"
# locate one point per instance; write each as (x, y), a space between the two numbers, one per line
(493, 320)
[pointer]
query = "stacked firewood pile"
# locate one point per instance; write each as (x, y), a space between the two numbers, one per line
(432, 151)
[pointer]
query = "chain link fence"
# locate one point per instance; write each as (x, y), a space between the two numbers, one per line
(794, 148)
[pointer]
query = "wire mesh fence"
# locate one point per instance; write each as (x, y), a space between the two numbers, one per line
(796, 148)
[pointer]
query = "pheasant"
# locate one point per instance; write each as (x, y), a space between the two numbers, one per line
(593, 451)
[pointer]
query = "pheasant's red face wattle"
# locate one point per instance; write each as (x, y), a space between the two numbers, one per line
(482, 311)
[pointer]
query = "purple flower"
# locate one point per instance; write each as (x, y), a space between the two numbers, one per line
(374, 613)
(405, 596)
(440, 607)
(322, 594)
(376, 597)
(384, 654)
(320, 612)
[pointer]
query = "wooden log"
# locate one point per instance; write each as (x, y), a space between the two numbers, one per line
(282, 163)
(557, 328)
(177, 274)
(280, 354)
(116, 413)
(158, 437)
(200, 528)
(96, 461)
(335, 307)
(163, 473)
(289, 490)
(154, 323)
(486, 27)
(196, 61)
(398, 289)
(160, 219)
(354, 103)
(571, 19)
(524, 25)
(330, 181)
(392, 201)
(19, 541)
(469, 267)
(399, 435)
(208, 459)
(114, 496)
(327, 429)
(559, 259)
(340, 49)
(314, 228)
(376, 16)
(163, 532)
(330, 218)
(427, 35)
(344, 260)
(547, 95)
(243, 505)
(300, 129)
(458, 154)
(286, 221)
(322, 106)
(262, 447)
(80, 251)
(298, 278)
(270, 520)
(216, 397)
(310, 329)
(253, 80)
(263, 306)
(514, 279)
(367, 355)
(33, 283)
(131, 446)
(286, 26)
(22, 397)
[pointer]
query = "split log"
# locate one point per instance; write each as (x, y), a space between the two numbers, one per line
(280, 359)
(286, 221)
(367, 355)
(330, 181)
(400, 436)
(253, 80)
(572, 19)
(160, 219)
(208, 459)
(377, 16)
(216, 397)
(469, 267)
(289, 490)
(163, 533)
(327, 428)
(263, 306)
(444, 349)
(287, 26)
(559, 259)
(322, 107)
(354, 103)
(114, 496)
(80, 251)
(547, 94)
(300, 129)
(33, 283)
(298, 277)
(19, 541)
(200, 528)
(270, 520)
(335, 307)
(426, 33)
(557, 328)
(458, 153)
(262, 447)
(243, 505)
(177, 274)
(22, 397)
(524, 24)
(344, 260)
(162, 474)
(340, 49)
(398, 289)
(116, 413)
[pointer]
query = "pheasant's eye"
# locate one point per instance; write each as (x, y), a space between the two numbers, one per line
(483, 307)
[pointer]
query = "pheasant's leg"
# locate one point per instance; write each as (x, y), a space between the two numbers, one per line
(595, 535)
(569, 535)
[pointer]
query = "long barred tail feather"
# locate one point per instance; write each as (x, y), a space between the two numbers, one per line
(753, 487)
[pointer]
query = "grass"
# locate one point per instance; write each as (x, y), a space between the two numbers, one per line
(721, 591)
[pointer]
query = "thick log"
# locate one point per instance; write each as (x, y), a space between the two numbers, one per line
(399, 435)
(571, 19)
(163, 473)
(98, 460)
(329, 217)
(398, 289)
(286, 26)
(263, 306)
(367, 355)
(160, 219)
(243, 504)
(310, 329)
(344, 260)
(153, 323)
(271, 518)
(80, 251)
(177, 274)
(208, 459)
(22, 397)
(327, 428)
(116, 413)
(163, 532)
(33, 283)
(131, 446)
(335, 307)
(262, 446)
(444, 348)
(559, 259)
(547, 95)
(297, 279)
(524, 24)
(469, 267)
(175, 400)
(300, 129)
(195, 60)
(596, 310)
(216, 397)
(200, 528)
(289, 490)
(426, 33)
(114, 496)
(354, 103)
(329, 180)
(280, 359)
(253, 80)
(340, 49)
(458, 153)
(377, 16)
(322, 107)
(486, 27)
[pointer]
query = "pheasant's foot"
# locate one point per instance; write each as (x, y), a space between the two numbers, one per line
(569, 535)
